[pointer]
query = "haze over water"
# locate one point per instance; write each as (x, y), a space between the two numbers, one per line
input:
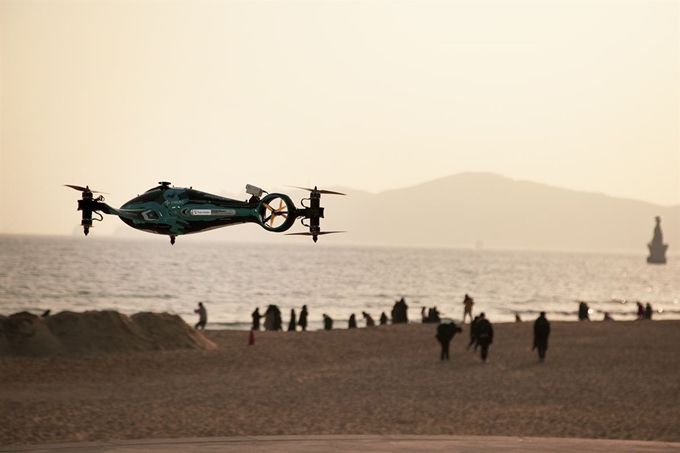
(130, 276)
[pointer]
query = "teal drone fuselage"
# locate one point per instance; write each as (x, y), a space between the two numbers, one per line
(175, 211)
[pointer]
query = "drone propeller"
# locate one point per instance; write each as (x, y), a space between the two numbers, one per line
(321, 191)
(280, 211)
(314, 234)
(83, 189)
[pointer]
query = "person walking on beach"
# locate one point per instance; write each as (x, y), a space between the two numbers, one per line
(256, 319)
(484, 335)
(583, 310)
(291, 324)
(352, 322)
(202, 316)
(648, 311)
(369, 320)
(473, 333)
(541, 334)
(383, 319)
(302, 321)
(445, 333)
(640, 311)
(327, 322)
(468, 302)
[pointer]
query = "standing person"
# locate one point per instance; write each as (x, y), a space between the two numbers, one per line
(327, 322)
(541, 334)
(352, 322)
(484, 335)
(383, 319)
(291, 324)
(302, 322)
(640, 311)
(256, 319)
(270, 318)
(202, 316)
(648, 311)
(583, 310)
(278, 322)
(445, 333)
(468, 302)
(473, 333)
(369, 320)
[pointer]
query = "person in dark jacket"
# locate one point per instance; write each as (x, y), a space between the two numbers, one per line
(327, 322)
(202, 316)
(352, 322)
(256, 319)
(368, 318)
(473, 333)
(484, 335)
(445, 333)
(302, 321)
(383, 319)
(541, 334)
(292, 323)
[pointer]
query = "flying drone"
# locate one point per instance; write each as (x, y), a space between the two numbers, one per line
(174, 211)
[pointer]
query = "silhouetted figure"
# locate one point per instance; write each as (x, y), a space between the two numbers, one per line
(583, 310)
(657, 249)
(272, 318)
(202, 316)
(327, 322)
(292, 324)
(368, 319)
(256, 319)
(607, 317)
(640, 311)
(302, 322)
(473, 333)
(517, 318)
(484, 335)
(468, 302)
(399, 312)
(352, 324)
(648, 311)
(445, 333)
(541, 334)
(383, 319)
(430, 316)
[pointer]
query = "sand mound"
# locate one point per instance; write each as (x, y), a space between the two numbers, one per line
(95, 332)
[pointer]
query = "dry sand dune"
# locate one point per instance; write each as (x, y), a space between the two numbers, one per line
(95, 332)
(618, 380)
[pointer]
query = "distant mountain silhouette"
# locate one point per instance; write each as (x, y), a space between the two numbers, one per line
(469, 209)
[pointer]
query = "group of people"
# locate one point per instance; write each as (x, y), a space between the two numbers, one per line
(644, 312)
(273, 320)
(481, 336)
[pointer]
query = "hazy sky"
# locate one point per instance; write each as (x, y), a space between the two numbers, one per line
(370, 95)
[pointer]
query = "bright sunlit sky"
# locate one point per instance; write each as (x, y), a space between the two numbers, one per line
(370, 95)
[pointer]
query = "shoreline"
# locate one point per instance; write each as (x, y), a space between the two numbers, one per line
(601, 380)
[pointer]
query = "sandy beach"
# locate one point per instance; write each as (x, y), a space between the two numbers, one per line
(616, 380)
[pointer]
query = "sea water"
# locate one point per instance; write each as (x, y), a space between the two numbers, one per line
(232, 279)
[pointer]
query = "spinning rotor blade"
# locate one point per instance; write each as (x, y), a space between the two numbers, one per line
(321, 191)
(275, 212)
(314, 234)
(83, 189)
